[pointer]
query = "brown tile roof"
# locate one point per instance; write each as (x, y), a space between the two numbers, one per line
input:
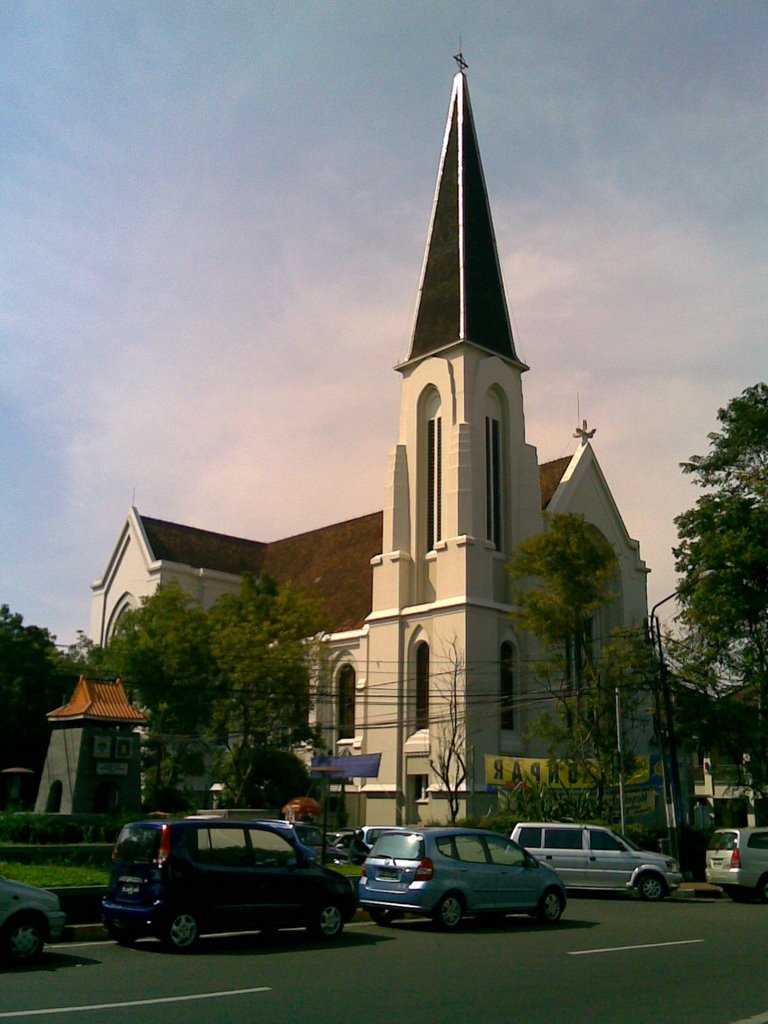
(333, 564)
(187, 545)
(98, 700)
(550, 475)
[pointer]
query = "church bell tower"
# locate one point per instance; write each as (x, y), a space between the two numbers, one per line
(463, 485)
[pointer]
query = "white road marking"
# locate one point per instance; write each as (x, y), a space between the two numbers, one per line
(133, 1002)
(644, 945)
(761, 1018)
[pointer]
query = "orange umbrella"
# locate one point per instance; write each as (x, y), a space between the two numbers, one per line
(302, 807)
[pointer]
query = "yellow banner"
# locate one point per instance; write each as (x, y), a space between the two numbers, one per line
(511, 772)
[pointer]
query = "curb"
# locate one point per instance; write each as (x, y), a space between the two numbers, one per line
(687, 891)
(699, 890)
(97, 932)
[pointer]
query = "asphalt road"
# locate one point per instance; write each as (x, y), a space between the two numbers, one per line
(613, 959)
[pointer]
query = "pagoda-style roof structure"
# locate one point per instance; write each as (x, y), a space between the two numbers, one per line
(98, 701)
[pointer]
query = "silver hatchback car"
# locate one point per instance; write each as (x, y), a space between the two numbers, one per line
(29, 917)
(445, 873)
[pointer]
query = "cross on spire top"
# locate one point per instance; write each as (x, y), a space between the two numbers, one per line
(459, 58)
(583, 433)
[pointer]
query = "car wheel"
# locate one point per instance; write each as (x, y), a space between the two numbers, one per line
(23, 939)
(449, 912)
(550, 908)
(382, 917)
(651, 888)
(327, 923)
(762, 889)
(181, 932)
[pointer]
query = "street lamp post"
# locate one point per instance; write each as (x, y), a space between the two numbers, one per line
(665, 716)
(671, 776)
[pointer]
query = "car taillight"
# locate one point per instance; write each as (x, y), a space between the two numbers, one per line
(164, 849)
(424, 871)
(735, 858)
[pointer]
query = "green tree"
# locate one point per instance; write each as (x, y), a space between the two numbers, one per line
(260, 640)
(34, 679)
(162, 652)
(564, 577)
(276, 776)
(722, 556)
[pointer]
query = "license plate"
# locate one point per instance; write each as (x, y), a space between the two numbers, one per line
(389, 873)
(130, 886)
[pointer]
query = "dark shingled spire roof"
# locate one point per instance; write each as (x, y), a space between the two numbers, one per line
(462, 294)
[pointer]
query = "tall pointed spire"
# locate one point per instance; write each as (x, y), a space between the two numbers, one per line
(461, 297)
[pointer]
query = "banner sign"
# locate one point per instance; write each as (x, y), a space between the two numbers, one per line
(348, 766)
(519, 772)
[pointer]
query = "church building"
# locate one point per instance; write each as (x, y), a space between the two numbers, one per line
(418, 593)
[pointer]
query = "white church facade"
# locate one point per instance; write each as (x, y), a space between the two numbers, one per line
(419, 593)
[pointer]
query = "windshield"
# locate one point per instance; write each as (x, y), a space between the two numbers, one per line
(630, 843)
(137, 844)
(722, 841)
(399, 846)
(309, 834)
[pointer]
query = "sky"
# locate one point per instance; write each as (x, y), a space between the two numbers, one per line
(212, 223)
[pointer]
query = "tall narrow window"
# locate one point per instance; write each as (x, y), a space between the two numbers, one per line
(434, 482)
(345, 702)
(422, 686)
(507, 685)
(493, 482)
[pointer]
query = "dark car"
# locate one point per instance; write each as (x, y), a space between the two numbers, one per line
(177, 880)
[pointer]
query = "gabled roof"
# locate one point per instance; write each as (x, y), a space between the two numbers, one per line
(187, 545)
(333, 564)
(461, 296)
(102, 701)
(550, 475)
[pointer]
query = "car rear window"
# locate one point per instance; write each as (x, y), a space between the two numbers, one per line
(137, 844)
(723, 841)
(758, 840)
(399, 846)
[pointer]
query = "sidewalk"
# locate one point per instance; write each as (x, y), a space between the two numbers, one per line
(699, 890)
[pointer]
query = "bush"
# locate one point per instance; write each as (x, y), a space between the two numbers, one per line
(51, 829)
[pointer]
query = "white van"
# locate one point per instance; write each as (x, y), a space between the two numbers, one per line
(737, 860)
(594, 857)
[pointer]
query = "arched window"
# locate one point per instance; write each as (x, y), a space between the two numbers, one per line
(345, 702)
(53, 803)
(493, 471)
(492, 482)
(434, 482)
(431, 462)
(422, 686)
(507, 685)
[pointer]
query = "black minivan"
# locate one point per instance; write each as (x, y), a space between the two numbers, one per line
(176, 880)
